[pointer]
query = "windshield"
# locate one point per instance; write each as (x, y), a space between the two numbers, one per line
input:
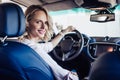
(80, 18)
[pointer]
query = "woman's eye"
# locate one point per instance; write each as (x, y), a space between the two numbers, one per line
(38, 22)
(47, 23)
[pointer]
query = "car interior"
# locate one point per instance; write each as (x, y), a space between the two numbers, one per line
(92, 55)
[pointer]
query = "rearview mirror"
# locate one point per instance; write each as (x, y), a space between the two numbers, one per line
(102, 17)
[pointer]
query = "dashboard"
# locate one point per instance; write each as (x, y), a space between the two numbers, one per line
(96, 46)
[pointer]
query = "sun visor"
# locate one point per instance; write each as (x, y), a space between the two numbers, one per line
(112, 2)
(95, 4)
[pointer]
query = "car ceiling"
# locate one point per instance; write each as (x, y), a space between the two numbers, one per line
(55, 5)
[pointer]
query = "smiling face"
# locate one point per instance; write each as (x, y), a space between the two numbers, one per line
(38, 25)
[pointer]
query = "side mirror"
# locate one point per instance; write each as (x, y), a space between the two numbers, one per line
(102, 17)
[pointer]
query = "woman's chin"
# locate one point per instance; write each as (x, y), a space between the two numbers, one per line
(41, 36)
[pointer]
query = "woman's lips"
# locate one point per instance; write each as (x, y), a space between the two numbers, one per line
(41, 31)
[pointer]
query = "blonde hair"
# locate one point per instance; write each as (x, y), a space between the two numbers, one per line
(29, 13)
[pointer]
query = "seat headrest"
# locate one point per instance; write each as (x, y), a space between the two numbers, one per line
(12, 20)
(106, 67)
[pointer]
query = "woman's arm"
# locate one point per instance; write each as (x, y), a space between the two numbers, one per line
(58, 38)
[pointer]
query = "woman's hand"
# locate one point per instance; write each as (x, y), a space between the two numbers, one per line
(68, 29)
(58, 38)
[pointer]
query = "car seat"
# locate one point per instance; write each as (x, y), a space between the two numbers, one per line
(17, 60)
(106, 67)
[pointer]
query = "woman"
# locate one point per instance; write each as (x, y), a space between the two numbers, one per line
(39, 29)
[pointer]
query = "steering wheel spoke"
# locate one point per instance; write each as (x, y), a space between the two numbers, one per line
(65, 56)
(76, 44)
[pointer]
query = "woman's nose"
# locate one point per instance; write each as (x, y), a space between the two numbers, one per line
(43, 25)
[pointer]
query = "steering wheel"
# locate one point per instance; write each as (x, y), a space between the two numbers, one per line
(69, 47)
